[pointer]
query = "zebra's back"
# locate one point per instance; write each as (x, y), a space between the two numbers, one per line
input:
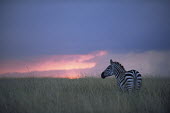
(130, 81)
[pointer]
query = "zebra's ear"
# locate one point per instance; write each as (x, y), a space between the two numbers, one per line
(111, 62)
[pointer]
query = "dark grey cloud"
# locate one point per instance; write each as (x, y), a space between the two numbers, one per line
(32, 29)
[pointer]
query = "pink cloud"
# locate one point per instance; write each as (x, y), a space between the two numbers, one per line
(51, 62)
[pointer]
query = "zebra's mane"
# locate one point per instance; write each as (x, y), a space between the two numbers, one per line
(117, 63)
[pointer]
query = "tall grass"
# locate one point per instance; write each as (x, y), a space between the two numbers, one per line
(86, 95)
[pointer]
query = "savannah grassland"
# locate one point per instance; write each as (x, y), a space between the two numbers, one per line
(85, 95)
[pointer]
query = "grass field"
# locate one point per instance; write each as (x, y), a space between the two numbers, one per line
(86, 95)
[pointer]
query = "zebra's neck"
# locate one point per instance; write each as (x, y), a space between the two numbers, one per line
(118, 70)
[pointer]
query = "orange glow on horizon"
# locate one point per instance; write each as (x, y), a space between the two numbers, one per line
(69, 75)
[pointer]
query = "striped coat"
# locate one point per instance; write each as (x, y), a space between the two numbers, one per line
(126, 80)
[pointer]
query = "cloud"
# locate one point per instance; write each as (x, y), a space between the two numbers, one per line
(148, 63)
(51, 62)
(154, 63)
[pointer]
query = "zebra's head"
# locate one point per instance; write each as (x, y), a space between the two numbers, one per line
(113, 69)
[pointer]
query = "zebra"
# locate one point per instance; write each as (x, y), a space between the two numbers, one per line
(127, 81)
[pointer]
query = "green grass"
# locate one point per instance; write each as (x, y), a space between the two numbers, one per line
(86, 95)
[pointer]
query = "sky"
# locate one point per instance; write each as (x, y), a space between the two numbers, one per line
(58, 38)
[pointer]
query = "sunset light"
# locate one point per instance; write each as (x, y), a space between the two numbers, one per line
(53, 62)
(90, 56)
(69, 75)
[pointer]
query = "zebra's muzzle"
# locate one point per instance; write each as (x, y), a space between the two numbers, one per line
(102, 75)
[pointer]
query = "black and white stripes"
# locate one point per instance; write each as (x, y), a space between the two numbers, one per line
(126, 80)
